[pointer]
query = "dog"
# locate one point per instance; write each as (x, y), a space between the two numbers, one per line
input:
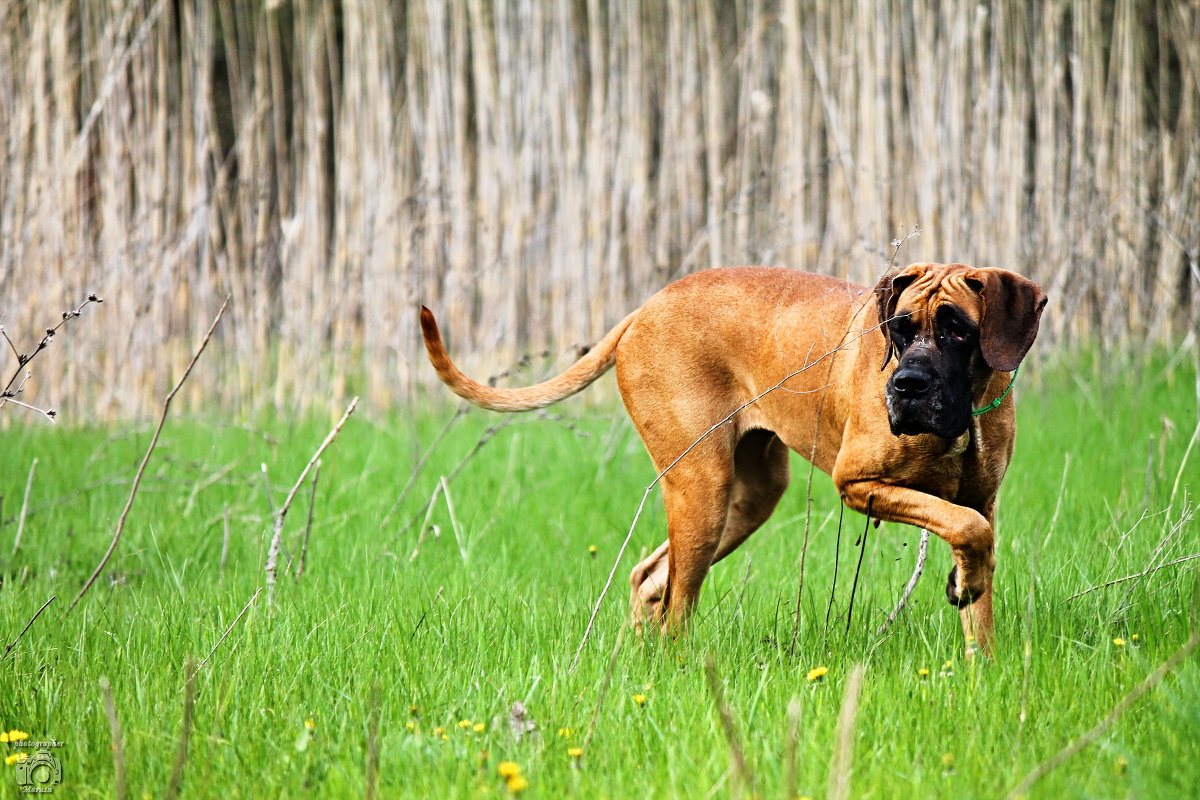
(724, 370)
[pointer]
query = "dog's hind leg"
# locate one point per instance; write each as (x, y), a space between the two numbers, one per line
(648, 584)
(696, 493)
(697, 505)
(760, 477)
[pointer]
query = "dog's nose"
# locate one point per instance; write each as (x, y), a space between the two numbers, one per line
(911, 382)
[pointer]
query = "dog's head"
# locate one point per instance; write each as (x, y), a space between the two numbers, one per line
(948, 326)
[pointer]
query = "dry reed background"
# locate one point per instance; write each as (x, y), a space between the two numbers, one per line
(534, 169)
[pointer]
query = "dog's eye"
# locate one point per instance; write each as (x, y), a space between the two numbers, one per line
(903, 330)
(955, 331)
(954, 326)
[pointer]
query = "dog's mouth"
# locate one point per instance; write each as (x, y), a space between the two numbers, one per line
(934, 411)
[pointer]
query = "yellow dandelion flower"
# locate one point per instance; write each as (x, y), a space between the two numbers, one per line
(640, 699)
(3, 736)
(924, 673)
(445, 737)
(1134, 637)
(565, 733)
(1119, 642)
(15, 758)
(479, 727)
(438, 731)
(592, 549)
(412, 726)
(464, 723)
(517, 784)
(948, 760)
(948, 664)
(308, 723)
(575, 752)
(817, 673)
(508, 769)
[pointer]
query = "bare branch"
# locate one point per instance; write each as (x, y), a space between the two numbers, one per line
(137, 480)
(1134, 576)
(312, 502)
(10, 392)
(28, 625)
(843, 754)
(1071, 749)
(114, 730)
(241, 614)
(862, 552)
(922, 552)
(24, 506)
(185, 733)
(277, 538)
(737, 756)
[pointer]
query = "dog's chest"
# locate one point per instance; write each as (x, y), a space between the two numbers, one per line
(932, 464)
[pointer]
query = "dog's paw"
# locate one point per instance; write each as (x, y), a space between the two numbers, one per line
(959, 597)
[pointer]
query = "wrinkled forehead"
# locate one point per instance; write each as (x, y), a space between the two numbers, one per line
(937, 285)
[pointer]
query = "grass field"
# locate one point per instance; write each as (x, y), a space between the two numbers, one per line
(413, 663)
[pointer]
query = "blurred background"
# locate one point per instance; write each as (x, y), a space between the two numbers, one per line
(533, 170)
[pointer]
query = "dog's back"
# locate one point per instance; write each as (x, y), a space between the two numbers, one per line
(712, 342)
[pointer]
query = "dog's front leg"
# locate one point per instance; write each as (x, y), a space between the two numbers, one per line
(969, 534)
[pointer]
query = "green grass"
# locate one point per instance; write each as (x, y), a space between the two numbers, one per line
(493, 615)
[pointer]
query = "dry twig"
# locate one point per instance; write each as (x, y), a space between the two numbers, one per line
(605, 682)
(12, 388)
(795, 710)
(137, 480)
(28, 625)
(185, 733)
(312, 502)
(24, 506)
(737, 756)
(373, 741)
(922, 552)
(862, 552)
(843, 754)
(114, 730)
(837, 560)
(486, 437)
(241, 614)
(461, 412)
(1134, 576)
(277, 538)
(1071, 749)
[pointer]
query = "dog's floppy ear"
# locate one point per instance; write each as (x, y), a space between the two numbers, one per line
(1011, 309)
(887, 295)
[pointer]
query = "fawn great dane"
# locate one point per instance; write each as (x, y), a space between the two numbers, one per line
(885, 390)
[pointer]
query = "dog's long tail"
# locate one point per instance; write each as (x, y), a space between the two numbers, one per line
(578, 376)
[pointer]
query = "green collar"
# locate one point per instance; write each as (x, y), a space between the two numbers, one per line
(996, 403)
